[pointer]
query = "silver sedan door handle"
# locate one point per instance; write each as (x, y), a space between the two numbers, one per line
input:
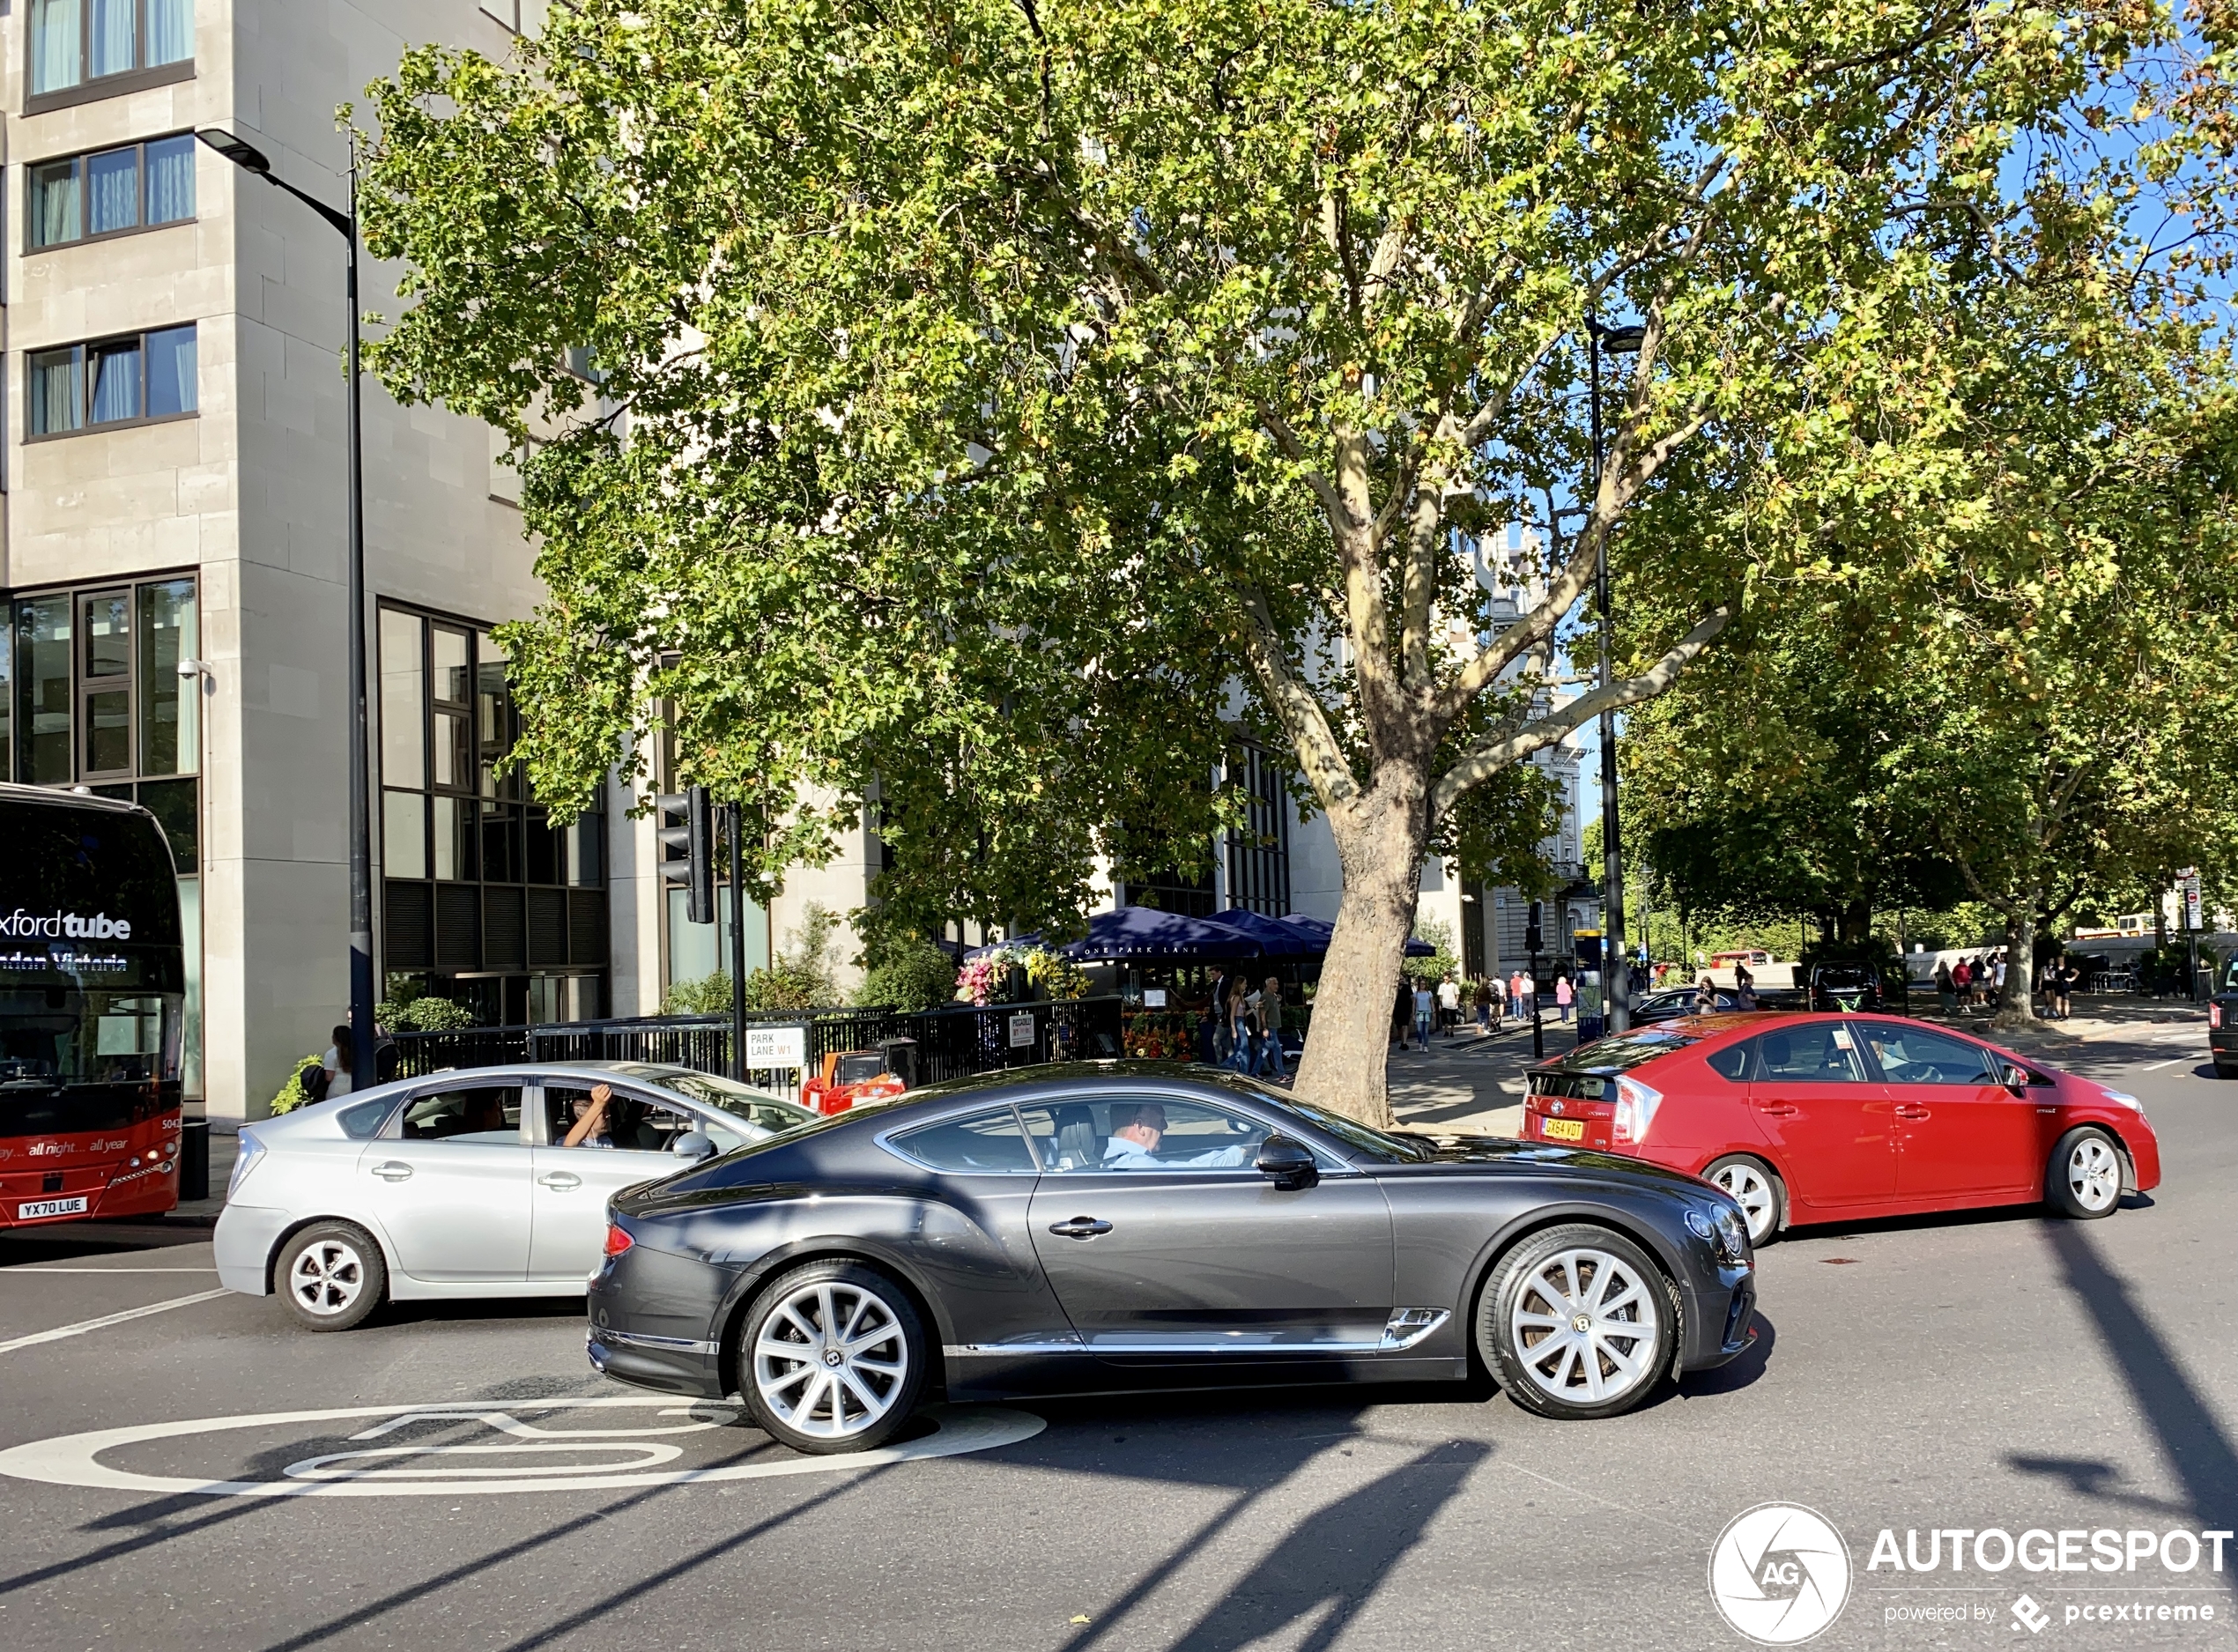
(393, 1170)
(1080, 1227)
(560, 1181)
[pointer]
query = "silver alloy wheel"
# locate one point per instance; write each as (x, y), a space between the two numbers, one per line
(830, 1360)
(1584, 1326)
(2095, 1173)
(1751, 1190)
(327, 1278)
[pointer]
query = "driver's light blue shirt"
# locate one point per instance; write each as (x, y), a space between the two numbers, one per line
(1120, 1153)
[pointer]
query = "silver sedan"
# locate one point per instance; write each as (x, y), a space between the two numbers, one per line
(463, 1184)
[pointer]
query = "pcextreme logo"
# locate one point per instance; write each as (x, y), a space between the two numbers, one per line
(1780, 1574)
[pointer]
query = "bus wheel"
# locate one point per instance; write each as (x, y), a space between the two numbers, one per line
(331, 1276)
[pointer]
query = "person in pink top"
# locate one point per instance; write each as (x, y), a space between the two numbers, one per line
(1562, 997)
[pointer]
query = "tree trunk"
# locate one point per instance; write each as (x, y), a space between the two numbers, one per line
(1380, 838)
(2017, 1005)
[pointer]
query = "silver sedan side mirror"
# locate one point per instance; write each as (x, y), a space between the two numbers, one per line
(694, 1144)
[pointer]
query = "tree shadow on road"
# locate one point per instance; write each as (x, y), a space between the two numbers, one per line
(2192, 1438)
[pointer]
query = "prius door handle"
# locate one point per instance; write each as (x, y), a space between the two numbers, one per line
(560, 1181)
(1080, 1227)
(1914, 1112)
(1779, 1109)
(393, 1170)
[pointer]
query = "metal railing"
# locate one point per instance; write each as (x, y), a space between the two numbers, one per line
(951, 1042)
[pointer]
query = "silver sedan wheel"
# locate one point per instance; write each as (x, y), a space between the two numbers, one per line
(2095, 1175)
(1751, 1190)
(328, 1278)
(830, 1359)
(1584, 1326)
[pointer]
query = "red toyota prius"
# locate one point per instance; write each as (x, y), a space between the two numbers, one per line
(1823, 1118)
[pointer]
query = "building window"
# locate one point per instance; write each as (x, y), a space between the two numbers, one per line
(112, 192)
(1258, 857)
(91, 695)
(486, 900)
(104, 46)
(136, 380)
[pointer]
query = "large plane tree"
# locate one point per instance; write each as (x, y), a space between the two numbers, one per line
(985, 387)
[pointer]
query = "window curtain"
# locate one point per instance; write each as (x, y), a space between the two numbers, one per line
(171, 180)
(112, 191)
(56, 403)
(116, 383)
(108, 46)
(170, 31)
(54, 203)
(55, 43)
(171, 371)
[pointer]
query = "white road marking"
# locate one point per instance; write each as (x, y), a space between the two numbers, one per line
(106, 1320)
(34, 1267)
(74, 1459)
(2171, 1062)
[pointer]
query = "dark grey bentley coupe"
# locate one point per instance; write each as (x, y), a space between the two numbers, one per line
(1124, 1225)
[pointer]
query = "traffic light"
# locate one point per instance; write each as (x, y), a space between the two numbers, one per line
(1534, 937)
(687, 850)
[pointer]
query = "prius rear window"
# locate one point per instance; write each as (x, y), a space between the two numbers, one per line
(1626, 1051)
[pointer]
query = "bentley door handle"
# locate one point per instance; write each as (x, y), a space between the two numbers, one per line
(1080, 1227)
(393, 1170)
(560, 1181)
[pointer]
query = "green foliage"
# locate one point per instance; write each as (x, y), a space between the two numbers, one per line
(1446, 961)
(801, 975)
(709, 994)
(291, 1095)
(987, 388)
(909, 974)
(422, 1014)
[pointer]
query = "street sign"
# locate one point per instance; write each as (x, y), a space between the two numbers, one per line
(1021, 1026)
(2187, 884)
(777, 1047)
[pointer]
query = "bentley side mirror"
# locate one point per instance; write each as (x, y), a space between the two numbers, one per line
(1290, 1164)
(694, 1144)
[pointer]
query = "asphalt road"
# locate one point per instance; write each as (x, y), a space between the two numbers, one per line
(2006, 1371)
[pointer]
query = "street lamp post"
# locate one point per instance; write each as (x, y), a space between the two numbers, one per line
(252, 160)
(1615, 965)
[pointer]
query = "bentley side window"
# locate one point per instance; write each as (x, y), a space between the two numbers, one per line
(978, 1144)
(1152, 1133)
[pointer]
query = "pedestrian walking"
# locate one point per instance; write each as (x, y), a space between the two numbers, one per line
(1426, 1011)
(1271, 1030)
(2063, 986)
(1962, 985)
(1563, 997)
(1490, 994)
(1946, 988)
(1997, 980)
(1522, 996)
(1448, 1005)
(1705, 997)
(1243, 1042)
(337, 1062)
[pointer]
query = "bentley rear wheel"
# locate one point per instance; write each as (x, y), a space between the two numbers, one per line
(832, 1358)
(1578, 1322)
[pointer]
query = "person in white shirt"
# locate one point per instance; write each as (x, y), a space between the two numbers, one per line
(1137, 1127)
(1448, 1004)
(336, 1062)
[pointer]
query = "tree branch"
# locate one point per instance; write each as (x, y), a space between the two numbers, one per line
(1303, 717)
(1487, 760)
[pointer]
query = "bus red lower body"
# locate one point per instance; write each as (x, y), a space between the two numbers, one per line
(79, 1176)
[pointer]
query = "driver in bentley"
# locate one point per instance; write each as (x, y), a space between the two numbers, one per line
(1137, 1127)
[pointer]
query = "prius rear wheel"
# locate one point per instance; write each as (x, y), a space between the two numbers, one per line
(832, 1358)
(1756, 1188)
(331, 1276)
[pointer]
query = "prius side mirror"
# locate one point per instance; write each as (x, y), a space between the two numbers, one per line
(2016, 1079)
(1290, 1164)
(694, 1144)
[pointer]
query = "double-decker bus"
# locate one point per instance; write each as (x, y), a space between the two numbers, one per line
(92, 993)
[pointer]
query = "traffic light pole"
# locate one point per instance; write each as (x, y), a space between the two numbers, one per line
(1533, 939)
